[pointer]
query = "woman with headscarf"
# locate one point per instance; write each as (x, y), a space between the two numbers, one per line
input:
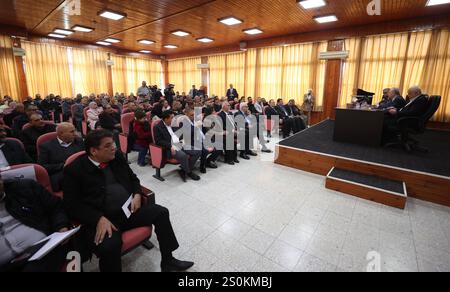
(92, 114)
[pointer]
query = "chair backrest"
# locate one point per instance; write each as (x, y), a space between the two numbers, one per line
(44, 138)
(434, 102)
(73, 158)
(125, 121)
(28, 125)
(264, 110)
(40, 174)
(154, 123)
(85, 113)
(16, 140)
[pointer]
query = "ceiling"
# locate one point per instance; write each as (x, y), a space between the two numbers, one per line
(155, 20)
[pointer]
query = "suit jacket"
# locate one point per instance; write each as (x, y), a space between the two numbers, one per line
(14, 153)
(398, 102)
(53, 156)
(162, 136)
(232, 94)
(84, 187)
(30, 136)
(108, 121)
(32, 205)
(226, 122)
(271, 111)
(282, 111)
(415, 108)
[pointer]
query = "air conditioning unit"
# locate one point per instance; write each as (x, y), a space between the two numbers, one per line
(333, 55)
(109, 63)
(243, 46)
(19, 52)
(202, 66)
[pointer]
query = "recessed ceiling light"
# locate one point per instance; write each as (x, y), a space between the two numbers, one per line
(146, 42)
(103, 43)
(82, 28)
(309, 4)
(170, 47)
(326, 19)
(180, 33)
(231, 20)
(205, 40)
(62, 31)
(55, 35)
(437, 2)
(145, 52)
(111, 14)
(114, 41)
(253, 31)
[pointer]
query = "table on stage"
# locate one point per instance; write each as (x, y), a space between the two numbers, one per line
(359, 126)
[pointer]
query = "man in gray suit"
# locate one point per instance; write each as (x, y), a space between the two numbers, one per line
(54, 153)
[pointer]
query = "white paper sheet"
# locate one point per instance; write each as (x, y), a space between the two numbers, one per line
(54, 241)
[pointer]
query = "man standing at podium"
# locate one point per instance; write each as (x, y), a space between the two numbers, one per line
(232, 93)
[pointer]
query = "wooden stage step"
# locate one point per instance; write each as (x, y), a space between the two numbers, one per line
(377, 189)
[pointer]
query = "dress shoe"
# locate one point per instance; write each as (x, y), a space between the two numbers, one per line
(236, 161)
(251, 153)
(203, 170)
(175, 265)
(266, 150)
(230, 162)
(193, 176)
(211, 164)
(182, 174)
(245, 157)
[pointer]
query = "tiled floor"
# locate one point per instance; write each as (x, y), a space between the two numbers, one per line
(259, 216)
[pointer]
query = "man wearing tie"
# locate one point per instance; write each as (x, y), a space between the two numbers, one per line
(232, 93)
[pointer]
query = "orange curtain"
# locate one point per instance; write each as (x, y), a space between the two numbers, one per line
(90, 73)
(9, 84)
(47, 69)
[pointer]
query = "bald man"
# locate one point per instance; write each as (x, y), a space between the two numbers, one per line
(54, 153)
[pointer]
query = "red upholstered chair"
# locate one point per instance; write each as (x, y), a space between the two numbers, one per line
(16, 140)
(40, 174)
(157, 154)
(44, 138)
(84, 124)
(125, 121)
(135, 237)
(28, 125)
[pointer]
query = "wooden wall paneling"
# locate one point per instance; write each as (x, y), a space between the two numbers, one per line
(20, 69)
(333, 78)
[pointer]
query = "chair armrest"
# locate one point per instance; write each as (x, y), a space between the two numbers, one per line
(148, 196)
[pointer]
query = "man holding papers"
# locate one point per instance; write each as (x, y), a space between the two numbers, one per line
(28, 213)
(99, 187)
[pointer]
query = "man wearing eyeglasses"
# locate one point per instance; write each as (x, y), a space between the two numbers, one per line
(96, 186)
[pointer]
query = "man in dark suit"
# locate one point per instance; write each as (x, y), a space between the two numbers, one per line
(232, 93)
(96, 186)
(169, 93)
(110, 120)
(296, 115)
(28, 214)
(270, 112)
(395, 100)
(18, 110)
(170, 142)
(22, 119)
(416, 106)
(288, 122)
(246, 124)
(54, 153)
(31, 135)
(229, 134)
(11, 152)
